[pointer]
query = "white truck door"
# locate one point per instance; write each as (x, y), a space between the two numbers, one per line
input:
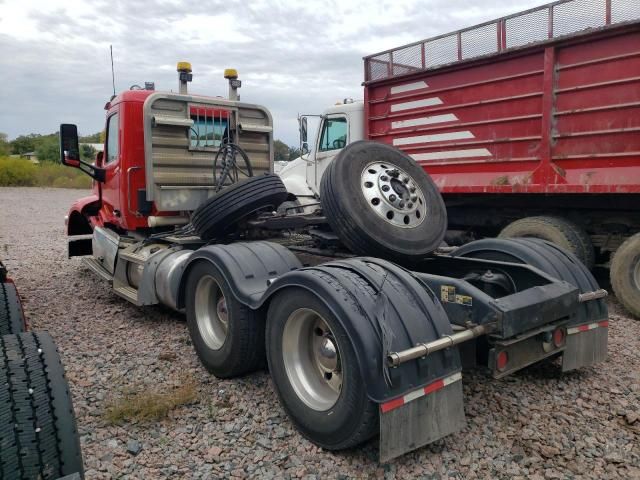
(333, 136)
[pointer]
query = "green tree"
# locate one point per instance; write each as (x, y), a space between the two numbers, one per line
(294, 152)
(47, 149)
(4, 145)
(87, 152)
(25, 143)
(280, 151)
(93, 138)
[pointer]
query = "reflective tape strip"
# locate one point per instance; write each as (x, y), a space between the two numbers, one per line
(407, 87)
(415, 122)
(474, 152)
(438, 137)
(427, 102)
(421, 392)
(587, 327)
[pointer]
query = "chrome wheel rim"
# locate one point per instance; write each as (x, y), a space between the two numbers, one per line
(212, 316)
(312, 359)
(393, 194)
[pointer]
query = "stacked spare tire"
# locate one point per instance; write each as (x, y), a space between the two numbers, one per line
(38, 433)
(380, 202)
(377, 200)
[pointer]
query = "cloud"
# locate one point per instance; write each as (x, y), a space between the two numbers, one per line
(292, 56)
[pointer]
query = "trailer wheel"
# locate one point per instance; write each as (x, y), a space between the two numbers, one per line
(217, 216)
(11, 316)
(625, 274)
(562, 232)
(38, 434)
(380, 202)
(315, 372)
(228, 336)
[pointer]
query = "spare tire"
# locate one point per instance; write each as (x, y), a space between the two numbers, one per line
(38, 434)
(220, 214)
(380, 202)
(11, 316)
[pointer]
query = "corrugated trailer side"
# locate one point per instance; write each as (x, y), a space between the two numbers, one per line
(560, 115)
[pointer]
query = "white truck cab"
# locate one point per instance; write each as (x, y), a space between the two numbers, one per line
(340, 125)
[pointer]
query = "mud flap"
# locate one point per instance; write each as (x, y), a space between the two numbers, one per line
(586, 345)
(421, 417)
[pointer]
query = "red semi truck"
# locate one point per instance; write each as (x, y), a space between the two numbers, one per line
(185, 212)
(529, 125)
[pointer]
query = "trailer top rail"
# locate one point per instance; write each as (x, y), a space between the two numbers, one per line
(540, 24)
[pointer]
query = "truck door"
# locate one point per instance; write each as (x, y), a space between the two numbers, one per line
(333, 136)
(112, 166)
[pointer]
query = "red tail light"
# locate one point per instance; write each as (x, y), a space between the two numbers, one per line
(559, 337)
(501, 360)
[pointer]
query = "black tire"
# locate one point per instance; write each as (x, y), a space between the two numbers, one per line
(353, 419)
(218, 216)
(562, 232)
(242, 350)
(38, 434)
(545, 256)
(11, 315)
(625, 274)
(355, 219)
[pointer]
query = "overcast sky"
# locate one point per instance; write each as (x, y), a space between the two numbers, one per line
(292, 56)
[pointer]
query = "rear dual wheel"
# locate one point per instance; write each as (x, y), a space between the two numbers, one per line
(228, 336)
(315, 371)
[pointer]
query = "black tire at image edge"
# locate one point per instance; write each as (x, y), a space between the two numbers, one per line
(38, 430)
(11, 316)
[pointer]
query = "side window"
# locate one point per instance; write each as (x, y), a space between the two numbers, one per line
(334, 134)
(113, 133)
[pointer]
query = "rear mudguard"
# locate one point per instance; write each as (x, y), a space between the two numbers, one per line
(383, 308)
(388, 297)
(248, 267)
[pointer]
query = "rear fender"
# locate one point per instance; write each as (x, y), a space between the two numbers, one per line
(383, 308)
(248, 268)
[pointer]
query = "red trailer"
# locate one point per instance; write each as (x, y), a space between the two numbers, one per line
(530, 126)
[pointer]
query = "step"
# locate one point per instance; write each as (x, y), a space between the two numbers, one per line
(132, 257)
(128, 293)
(97, 268)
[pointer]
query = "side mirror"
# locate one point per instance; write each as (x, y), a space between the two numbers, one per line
(99, 158)
(305, 149)
(303, 130)
(70, 153)
(69, 148)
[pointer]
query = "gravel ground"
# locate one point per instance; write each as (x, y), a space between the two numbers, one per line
(535, 424)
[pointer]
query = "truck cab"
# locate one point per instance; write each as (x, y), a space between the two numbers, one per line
(340, 125)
